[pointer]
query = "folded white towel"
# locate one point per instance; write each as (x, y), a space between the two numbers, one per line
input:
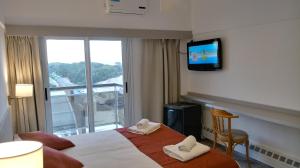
(152, 126)
(187, 144)
(143, 123)
(174, 152)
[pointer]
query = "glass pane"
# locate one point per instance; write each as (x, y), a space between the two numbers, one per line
(107, 78)
(67, 81)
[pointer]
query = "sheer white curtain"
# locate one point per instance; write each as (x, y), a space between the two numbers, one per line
(128, 82)
(132, 75)
(24, 66)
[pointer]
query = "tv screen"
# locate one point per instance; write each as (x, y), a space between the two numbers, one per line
(205, 55)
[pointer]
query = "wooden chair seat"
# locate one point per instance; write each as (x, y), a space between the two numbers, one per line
(238, 136)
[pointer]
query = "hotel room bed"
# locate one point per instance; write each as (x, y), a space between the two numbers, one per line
(120, 148)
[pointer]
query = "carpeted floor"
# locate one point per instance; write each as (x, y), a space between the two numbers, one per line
(239, 157)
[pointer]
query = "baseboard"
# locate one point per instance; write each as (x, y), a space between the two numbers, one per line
(262, 153)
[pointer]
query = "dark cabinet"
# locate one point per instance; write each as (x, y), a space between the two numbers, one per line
(184, 118)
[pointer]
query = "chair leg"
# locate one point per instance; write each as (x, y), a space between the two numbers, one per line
(215, 140)
(247, 150)
(229, 149)
(232, 149)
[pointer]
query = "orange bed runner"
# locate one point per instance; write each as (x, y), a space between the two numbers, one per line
(152, 145)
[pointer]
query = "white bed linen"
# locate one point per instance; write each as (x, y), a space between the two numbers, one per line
(108, 149)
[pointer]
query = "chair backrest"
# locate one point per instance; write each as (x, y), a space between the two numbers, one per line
(219, 118)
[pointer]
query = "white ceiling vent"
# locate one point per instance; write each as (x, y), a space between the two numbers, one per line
(138, 7)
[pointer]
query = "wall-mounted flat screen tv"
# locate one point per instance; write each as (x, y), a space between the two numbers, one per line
(204, 55)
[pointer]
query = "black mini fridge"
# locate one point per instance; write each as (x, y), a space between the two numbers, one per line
(184, 118)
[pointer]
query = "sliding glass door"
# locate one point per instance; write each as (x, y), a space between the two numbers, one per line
(107, 80)
(83, 85)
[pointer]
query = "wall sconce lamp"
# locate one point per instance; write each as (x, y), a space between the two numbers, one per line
(24, 90)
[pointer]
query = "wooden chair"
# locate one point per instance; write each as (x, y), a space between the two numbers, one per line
(230, 137)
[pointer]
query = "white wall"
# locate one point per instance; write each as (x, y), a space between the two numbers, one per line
(261, 41)
(214, 15)
(3, 66)
(261, 44)
(184, 73)
(3, 86)
(1, 13)
(1, 19)
(91, 13)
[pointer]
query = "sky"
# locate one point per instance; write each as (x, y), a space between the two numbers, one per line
(72, 51)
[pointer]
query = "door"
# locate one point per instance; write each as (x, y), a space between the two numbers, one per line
(107, 83)
(84, 84)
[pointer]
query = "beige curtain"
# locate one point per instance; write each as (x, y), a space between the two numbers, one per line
(24, 66)
(160, 77)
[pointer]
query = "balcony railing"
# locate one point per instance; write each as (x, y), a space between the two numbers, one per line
(69, 108)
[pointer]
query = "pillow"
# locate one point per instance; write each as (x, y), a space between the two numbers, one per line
(56, 159)
(49, 140)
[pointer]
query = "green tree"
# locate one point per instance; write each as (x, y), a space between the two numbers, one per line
(75, 72)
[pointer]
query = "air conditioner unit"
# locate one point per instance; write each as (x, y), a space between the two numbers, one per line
(138, 7)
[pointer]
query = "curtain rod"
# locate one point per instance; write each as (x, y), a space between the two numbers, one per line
(95, 32)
